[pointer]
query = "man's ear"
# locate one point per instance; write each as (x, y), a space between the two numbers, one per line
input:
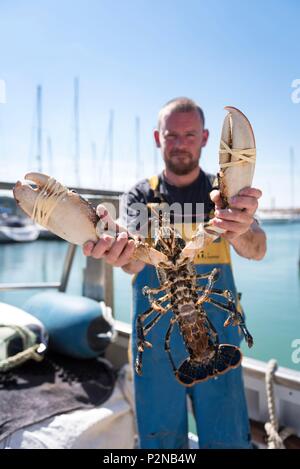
(205, 137)
(156, 138)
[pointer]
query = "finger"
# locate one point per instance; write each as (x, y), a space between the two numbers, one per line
(126, 254)
(215, 196)
(233, 214)
(105, 216)
(233, 226)
(116, 249)
(103, 245)
(87, 248)
(251, 192)
(244, 203)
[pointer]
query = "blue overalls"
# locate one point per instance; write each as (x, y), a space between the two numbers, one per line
(219, 404)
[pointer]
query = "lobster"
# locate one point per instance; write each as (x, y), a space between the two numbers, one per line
(186, 298)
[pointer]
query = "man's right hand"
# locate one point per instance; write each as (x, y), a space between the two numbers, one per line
(115, 251)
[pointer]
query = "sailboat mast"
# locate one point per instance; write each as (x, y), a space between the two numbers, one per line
(94, 160)
(292, 176)
(49, 154)
(76, 131)
(137, 148)
(39, 127)
(111, 148)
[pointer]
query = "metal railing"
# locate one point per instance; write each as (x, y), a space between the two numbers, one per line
(60, 286)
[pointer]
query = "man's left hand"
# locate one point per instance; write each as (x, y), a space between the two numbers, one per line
(237, 219)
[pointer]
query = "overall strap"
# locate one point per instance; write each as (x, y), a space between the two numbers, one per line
(154, 182)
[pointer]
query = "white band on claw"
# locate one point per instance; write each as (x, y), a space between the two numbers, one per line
(247, 155)
(51, 194)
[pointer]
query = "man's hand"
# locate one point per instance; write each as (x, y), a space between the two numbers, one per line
(115, 251)
(237, 219)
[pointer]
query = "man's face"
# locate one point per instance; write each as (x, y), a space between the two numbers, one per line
(181, 137)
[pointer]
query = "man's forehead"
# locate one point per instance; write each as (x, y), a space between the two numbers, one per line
(173, 119)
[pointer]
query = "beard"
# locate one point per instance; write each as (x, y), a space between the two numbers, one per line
(181, 162)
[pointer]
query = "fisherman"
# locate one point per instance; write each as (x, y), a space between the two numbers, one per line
(219, 405)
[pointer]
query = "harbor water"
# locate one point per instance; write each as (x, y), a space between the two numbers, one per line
(270, 288)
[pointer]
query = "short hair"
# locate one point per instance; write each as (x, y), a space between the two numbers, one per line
(181, 104)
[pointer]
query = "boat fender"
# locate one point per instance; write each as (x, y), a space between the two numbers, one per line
(78, 327)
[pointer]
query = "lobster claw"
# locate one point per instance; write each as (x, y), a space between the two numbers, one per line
(237, 156)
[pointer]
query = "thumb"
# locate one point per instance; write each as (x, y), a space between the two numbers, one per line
(216, 198)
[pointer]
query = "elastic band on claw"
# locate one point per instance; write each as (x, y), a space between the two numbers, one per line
(247, 154)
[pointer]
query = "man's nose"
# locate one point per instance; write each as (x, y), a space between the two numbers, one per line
(180, 142)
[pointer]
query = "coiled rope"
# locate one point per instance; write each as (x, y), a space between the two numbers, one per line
(31, 350)
(275, 437)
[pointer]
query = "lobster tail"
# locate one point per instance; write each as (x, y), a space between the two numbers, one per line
(225, 358)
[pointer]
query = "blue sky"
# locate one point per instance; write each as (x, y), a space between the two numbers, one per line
(131, 57)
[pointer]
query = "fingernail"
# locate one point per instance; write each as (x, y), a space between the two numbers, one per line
(123, 235)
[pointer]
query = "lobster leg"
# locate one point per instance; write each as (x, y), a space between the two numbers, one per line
(216, 291)
(142, 331)
(167, 344)
(156, 303)
(235, 318)
(152, 323)
(141, 342)
(208, 288)
(154, 291)
(201, 276)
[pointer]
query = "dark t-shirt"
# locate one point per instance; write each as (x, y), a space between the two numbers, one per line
(193, 200)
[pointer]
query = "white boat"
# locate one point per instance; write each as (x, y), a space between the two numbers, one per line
(46, 234)
(274, 217)
(14, 225)
(17, 229)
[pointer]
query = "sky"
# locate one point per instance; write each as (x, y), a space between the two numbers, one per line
(132, 56)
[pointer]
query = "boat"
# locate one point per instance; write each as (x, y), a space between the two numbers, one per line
(46, 234)
(14, 225)
(278, 216)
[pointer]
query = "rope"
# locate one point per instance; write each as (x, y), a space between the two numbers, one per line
(21, 357)
(248, 155)
(32, 350)
(275, 438)
(46, 201)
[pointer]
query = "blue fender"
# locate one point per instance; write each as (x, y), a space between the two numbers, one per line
(78, 326)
